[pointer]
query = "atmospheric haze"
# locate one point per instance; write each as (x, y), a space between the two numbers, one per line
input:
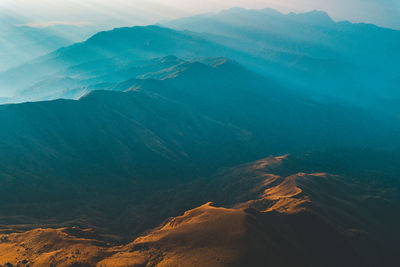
(119, 12)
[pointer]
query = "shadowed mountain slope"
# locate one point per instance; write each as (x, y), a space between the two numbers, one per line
(82, 159)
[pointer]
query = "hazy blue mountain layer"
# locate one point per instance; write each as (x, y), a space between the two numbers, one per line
(108, 49)
(20, 43)
(309, 50)
(355, 63)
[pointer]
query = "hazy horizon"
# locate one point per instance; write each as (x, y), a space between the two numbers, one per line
(117, 13)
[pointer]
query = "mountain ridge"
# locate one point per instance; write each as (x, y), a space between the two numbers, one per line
(153, 146)
(240, 234)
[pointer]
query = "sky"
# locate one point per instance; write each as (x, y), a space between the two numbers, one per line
(113, 13)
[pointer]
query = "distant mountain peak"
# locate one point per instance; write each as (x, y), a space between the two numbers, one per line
(311, 17)
(131, 30)
(315, 17)
(270, 11)
(234, 9)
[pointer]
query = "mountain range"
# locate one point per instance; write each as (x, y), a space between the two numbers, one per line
(309, 52)
(158, 146)
(21, 42)
(310, 48)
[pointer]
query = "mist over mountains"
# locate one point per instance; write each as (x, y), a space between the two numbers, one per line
(20, 43)
(339, 59)
(150, 146)
(308, 52)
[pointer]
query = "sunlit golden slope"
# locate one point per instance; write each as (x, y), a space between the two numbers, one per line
(283, 226)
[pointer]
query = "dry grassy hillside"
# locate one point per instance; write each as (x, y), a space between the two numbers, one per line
(289, 222)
